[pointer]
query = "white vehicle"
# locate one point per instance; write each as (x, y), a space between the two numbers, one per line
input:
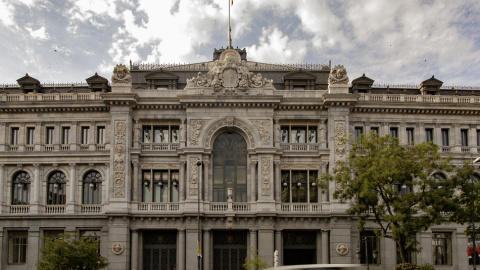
(318, 267)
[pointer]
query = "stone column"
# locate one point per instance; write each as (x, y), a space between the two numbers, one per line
(266, 244)
(253, 241)
(2, 187)
(322, 134)
(21, 138)
(420, 133)
(32, 247)
(36, 184)
(191, 249)
(279, 246)
(135, 184)
(73, 183)
(206, 250)
(107, 183)
(325, 196)
(3, 136)
(206, 169)
(253, 175)
(455, 140)
(181, 181)
(134, 249)
(36, 136)
(325, 244)
(402, 134)
(73, 137)
(278, 182)
(472, 132)
(318, 247)
(181, 250)
(91, 137)
(437, 135)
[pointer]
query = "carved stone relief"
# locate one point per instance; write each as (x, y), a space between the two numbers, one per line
(119, 160)
(193, 177)
(264, 127)
(183, 130)
(322, 131)
(146, 166)
(276, 131)
(265, 176)
(340, 136)
(229, 121)
(121, 74)
(197, 126)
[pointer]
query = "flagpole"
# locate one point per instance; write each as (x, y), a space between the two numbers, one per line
(229, 29)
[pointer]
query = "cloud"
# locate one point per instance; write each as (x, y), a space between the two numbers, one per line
(39, 34)
(6, 14)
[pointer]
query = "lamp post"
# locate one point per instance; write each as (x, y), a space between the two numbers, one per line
(374, 252)
(199, 254)
(473, 217)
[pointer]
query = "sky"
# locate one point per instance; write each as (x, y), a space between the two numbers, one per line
(390, 41)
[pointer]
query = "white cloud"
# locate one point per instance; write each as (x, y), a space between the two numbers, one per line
(275, 47)
(39, 34)
(6, 14)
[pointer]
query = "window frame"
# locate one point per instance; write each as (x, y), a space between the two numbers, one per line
(84, 134)
(161, 189)
(172, 134)
(291, 188)
(411, 135)
(464, 137)
(373, 244)
(447, 236)
(429, 135)
(14, 135)
(92, 188)
(394, 132)
(49, 135)
(17, 252)
(30, 138)
(294, 133)
(21, 178)
(65, 135)
(59, 179)
(445, 136)
(100, 135)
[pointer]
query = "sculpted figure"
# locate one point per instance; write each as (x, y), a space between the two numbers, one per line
(338, 75)
(121, 74)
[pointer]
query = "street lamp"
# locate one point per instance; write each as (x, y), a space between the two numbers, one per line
(473, 217)
(374, 252)
(199, 254)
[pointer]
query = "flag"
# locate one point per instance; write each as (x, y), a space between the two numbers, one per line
(199, 250)
(231, 2)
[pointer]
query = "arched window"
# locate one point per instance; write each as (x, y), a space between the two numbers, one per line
(21, 188)
(92, 188)
(56, 193)
(230, 167)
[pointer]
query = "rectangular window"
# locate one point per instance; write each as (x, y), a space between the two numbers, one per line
(429, 135)
(85, 135)
(299, 186)
(478, 137)
(410, 135)
(358, 132)
(298, 135)
(49, 135)
(374, 130)
(442, 248)
(30, 135)
(394, 132)
(445, 137)
(14, 136)
(410, 255)
(17, 247)
(369, 245)
(65, 135)
(464, 137)
(91, 235)
(52, 234)
(160, 186)
(100, 135)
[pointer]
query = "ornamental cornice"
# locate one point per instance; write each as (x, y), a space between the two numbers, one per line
(456, 111)
(56, 108)
(146, 166)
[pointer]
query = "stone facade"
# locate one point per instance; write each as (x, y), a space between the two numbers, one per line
(136, 162)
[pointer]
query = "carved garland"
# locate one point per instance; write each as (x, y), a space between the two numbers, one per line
(119, 160)
(265, 176)
(193, 177)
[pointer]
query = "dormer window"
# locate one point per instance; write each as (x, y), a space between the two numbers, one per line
(98, 83)
(161, 80)
(299, 80)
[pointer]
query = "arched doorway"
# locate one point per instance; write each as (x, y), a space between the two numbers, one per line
(230, 167)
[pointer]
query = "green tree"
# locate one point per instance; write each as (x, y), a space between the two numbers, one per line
(256, 263)
(70, 253)
(394, 186)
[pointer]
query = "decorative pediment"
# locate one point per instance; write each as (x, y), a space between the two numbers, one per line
(161, 75)
(228, 75)
(161, 79)
(98, 83)
(299, 80)
(299, 75)
(29, 84)
(430, 86)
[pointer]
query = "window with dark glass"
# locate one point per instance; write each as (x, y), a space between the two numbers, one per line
(445, 137)
(91, 235)
(299, 186)
(464, 137)
(65, 135)
(21, 188)
(56, 193)
(299, 134)
(394, 132)
(14, 136)
(410, 136)
(100, 135)
(410, 255)
(17, 247)
(442, 248)
(160, 185)
(478, 137)
(49, 135)
(369, 248)
(30, 135)
(161, 133)
(429, 135)
(230, 167)
(358, 132)
(92, 188)
(84, 136)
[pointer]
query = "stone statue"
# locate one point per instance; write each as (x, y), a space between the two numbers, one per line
(338, 75)
(121, 74)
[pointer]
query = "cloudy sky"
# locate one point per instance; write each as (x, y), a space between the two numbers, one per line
(390, 41)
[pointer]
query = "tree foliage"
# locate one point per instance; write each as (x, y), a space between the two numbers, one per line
(70, 253)
(256, 263)
(395, 187)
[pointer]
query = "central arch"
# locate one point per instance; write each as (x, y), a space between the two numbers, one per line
(230, 167)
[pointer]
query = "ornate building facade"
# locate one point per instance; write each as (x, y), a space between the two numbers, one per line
(135, 162)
